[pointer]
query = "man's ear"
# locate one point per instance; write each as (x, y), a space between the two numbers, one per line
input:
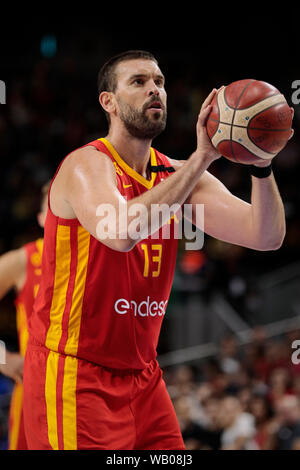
(106, 100)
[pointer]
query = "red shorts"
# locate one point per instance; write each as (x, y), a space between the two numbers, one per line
(70, 403)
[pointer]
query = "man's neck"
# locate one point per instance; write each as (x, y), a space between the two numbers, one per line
(135, 152)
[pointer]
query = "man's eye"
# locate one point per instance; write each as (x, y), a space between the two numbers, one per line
(138, 81)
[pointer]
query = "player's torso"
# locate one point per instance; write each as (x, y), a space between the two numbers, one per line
(100, 304)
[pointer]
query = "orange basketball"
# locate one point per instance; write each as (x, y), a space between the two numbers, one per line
(250, 121)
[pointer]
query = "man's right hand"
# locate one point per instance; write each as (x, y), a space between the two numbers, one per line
(204, 145)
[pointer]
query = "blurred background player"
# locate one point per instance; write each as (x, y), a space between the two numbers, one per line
(20, 270)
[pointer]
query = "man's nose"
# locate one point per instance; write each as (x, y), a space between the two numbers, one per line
(153, 89)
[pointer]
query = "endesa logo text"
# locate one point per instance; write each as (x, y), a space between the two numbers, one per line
(143, 309)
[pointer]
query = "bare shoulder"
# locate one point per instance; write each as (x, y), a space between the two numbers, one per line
(79, 172)
(87, 167)
(86, 158)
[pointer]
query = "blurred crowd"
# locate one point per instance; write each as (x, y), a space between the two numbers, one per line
(245, 398)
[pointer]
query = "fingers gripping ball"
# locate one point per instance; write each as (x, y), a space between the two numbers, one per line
(250, 121)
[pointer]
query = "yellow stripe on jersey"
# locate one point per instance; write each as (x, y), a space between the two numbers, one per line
(69, 403)
(50, 395)
(130, 172)
(22, 327)
(15, 415)
(62, 274)
(83, 247)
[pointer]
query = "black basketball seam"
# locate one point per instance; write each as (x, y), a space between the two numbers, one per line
(266, 130)
(265, 151)
(227, 104)
(224, 140)
(260, 101)
(252, 128)
(265, 109)
(234, 113)
(237, 161)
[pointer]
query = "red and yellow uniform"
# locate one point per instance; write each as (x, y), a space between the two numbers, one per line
(24, 305)
(91, 374)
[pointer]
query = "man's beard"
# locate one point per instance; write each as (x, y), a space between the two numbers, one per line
(139, 124)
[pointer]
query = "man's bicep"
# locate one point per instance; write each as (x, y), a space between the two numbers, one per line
(92, 188)
(226, 216)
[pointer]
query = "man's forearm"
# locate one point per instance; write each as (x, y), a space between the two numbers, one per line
(268, 217)
(177, 187)
(174, 190)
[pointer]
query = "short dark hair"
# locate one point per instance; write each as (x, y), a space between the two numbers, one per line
(107, 79)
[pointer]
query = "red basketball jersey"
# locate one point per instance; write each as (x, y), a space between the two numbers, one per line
(99, 304)
(25, 299)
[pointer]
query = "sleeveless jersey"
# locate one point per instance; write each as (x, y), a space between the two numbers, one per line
(96, 303)
(25, 299)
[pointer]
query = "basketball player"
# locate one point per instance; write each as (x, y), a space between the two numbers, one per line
(91, 379)
(20, 269)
